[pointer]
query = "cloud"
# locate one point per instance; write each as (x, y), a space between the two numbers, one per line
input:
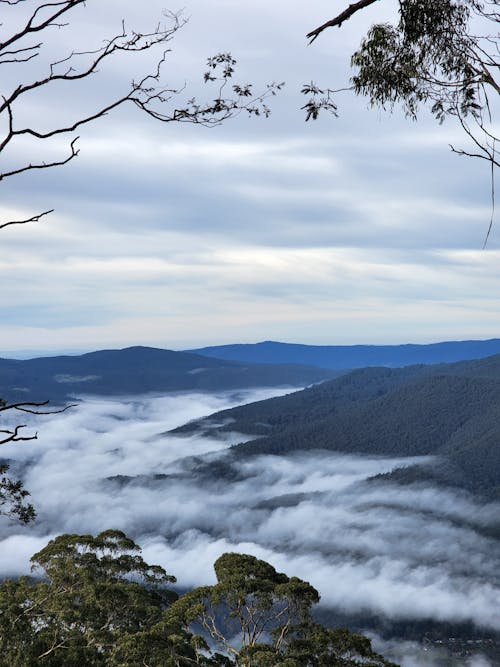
(410, 654)
(400, 553)
(153, 222)
(75, 378)
(153, 297)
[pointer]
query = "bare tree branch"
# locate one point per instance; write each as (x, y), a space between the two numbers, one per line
(148, 94)
(32, 27)
(492, 183)
(44, 165)
(13, 434)
(339, 19)
(27, 406)
(34, 218)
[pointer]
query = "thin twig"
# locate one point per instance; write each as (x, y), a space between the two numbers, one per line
(492, 176)
(34, 218)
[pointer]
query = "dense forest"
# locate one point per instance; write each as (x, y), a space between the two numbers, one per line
(95, 601)
(448, 411)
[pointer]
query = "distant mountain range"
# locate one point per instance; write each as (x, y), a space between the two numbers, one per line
(139, 370)
(449, 411)
(342, 357)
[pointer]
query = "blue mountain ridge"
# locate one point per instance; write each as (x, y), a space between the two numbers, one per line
(341, 357)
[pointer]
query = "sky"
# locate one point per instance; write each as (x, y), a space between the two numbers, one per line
(358, 229)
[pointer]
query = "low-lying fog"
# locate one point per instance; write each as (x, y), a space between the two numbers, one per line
(402, 552)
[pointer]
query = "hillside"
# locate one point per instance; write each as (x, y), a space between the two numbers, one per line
(138, 370)
(353, 356)
(450, 411)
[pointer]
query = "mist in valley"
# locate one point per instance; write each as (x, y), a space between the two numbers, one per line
(400, 553)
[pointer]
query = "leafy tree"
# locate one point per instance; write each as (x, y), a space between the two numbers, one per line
(95, 590)
(13, 497)
(166, 644)
(100, 603)
(316, 646)
(16, 631)
(250, 600)
(261, 618)
(440, 53)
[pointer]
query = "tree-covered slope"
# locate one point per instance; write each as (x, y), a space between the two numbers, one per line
(271, 416)
(451, 411)
(138, 370)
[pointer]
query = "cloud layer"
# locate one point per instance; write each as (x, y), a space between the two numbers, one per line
(357, 229)
(402, 553)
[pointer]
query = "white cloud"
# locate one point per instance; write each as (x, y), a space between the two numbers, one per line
(288, 230)
(400, 552)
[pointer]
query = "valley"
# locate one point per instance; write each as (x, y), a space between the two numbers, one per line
(379, 485)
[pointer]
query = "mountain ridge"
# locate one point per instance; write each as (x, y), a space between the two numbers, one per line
(140, 370)
(343, 357)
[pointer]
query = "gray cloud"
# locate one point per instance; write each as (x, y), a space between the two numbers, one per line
(153, 222)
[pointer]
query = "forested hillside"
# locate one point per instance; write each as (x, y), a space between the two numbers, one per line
(139, 370)
(450, 411)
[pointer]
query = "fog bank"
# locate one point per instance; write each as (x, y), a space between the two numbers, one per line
(415, 552)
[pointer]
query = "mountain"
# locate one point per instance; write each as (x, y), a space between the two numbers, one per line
(353, 356)
(138, 370)
(448, 411)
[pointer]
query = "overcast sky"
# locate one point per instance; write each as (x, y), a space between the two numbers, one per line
(361, 229)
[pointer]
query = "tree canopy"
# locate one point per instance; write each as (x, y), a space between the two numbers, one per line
(99, 603)
(442, 54)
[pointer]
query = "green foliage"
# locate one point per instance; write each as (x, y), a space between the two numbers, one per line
(95, 591)
(313, 645)
(13, 498)
(440, 53)
(12, 493)
(101, 604)
(317, 646)
(250, 598)
(428, 56)
(269, 615)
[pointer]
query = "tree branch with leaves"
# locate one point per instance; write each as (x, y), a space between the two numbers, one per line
(443, 54)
